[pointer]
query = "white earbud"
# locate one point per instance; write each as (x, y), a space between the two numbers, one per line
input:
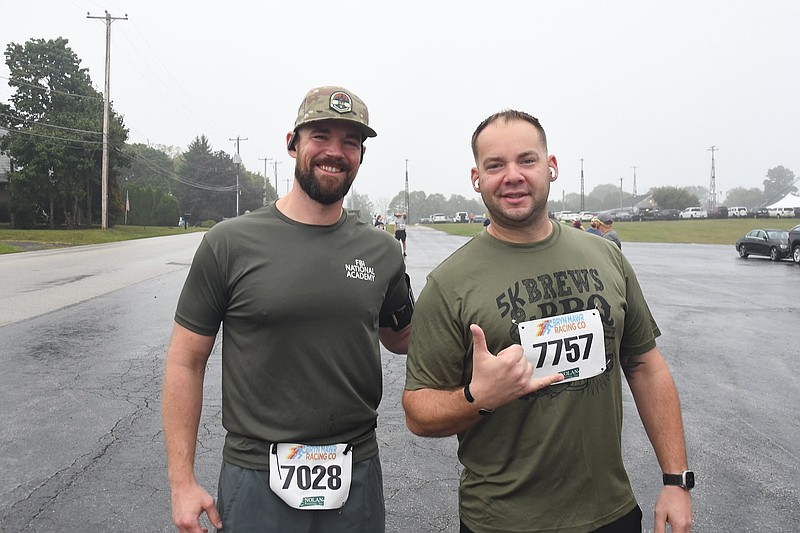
(552, 172)
(477, 185)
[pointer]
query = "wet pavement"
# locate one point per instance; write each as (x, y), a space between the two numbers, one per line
(81, 447)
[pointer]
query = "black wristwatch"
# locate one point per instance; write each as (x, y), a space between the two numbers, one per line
(684, 480)
(471, 399)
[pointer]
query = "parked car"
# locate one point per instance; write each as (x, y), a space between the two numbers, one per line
(646, 213)
(794, 243)
(440, 218)
(761, 212)
(773, 243)
(718, 212)
(461, 217)
(567, 216)
(586, 216)
(738, 212)
(623, 215)
(668, 214)
(693, 212)
(781, 212)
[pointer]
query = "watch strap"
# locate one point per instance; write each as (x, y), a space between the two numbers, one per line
(684, 480)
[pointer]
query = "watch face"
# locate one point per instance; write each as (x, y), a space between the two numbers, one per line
(688, 477)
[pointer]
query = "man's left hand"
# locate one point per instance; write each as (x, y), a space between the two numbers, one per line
(674, 507)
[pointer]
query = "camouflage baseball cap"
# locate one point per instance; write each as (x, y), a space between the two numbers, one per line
(334, 103)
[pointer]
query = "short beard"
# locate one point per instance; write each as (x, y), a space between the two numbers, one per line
(312, 187)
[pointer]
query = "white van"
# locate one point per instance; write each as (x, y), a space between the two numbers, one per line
(737, 212)
(693, 212)
(781, 212)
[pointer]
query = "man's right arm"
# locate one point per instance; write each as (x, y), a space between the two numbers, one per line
(496, 381)
(182, 404)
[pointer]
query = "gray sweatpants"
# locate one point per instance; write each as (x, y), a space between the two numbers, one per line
(247, 504)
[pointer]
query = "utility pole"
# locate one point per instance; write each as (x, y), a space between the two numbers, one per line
(238, 160)
(108, 19)
(275, 167)
(407, 208)
(583, 208)
(265, 159)
(620, 193)
(634, 167)
(712, 188)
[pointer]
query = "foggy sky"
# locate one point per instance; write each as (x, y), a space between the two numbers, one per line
(618, 84)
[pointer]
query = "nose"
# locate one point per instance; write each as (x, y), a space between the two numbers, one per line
(513, 173)
(335, 146)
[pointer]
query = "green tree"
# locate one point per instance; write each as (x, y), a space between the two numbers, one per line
(148, 167)
(208, 182)
(55, 122)
(750, 198)
(674, 197)
(361, 203)
(167, 211)
(701, 193)
(602, 198)
(780, 182)
(251, 186)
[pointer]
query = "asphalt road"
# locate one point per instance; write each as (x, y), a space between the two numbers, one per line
(83, 332)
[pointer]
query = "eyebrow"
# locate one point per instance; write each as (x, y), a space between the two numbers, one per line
(352, 131)
(526, 153)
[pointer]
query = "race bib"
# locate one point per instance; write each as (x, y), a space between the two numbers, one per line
(571, 344)
(311, 477)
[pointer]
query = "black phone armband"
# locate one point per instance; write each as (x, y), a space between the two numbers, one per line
(402, 316)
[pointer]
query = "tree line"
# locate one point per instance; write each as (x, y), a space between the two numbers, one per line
(778, 182)
(54, 123)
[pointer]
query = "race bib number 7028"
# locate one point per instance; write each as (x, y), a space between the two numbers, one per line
(571, 344)
(311, 477)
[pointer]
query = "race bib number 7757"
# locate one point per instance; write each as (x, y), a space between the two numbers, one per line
(570, 344)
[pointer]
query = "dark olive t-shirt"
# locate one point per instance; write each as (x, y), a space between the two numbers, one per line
(299, 307)
(551, 461)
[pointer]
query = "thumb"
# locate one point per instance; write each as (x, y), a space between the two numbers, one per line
(213, 516)
(478, 341)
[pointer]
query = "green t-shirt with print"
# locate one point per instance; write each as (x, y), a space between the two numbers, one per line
(299, 306)
(551, 461)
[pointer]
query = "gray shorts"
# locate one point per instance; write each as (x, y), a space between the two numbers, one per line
(247, 504)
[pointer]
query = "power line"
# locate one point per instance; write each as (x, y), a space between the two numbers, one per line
(45, 124)
(48, 89)
(23, 132)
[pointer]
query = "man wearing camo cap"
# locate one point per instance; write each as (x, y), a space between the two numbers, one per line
(304, 292)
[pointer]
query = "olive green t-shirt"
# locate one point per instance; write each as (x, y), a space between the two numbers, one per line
(300, 307)
(551, 461)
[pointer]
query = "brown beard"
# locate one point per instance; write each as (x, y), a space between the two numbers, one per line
(313, 188)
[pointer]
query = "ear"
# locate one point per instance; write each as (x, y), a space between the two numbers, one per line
(476, 179)
(552, 162)
(291, 140)
(363, 151)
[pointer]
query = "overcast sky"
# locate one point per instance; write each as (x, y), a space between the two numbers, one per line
(619, 84)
